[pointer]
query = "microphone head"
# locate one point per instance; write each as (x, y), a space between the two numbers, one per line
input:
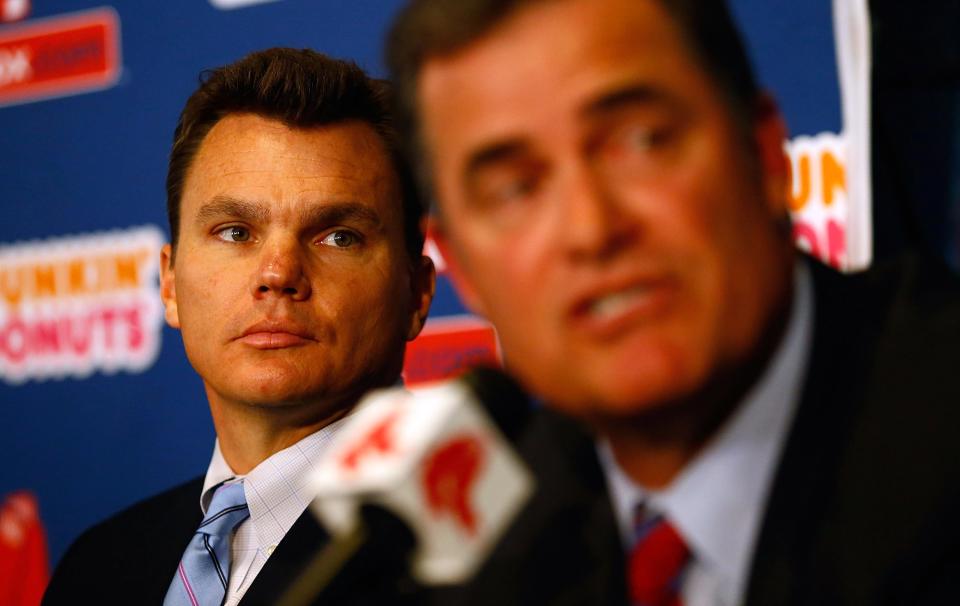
(502, 398)
(436, 460)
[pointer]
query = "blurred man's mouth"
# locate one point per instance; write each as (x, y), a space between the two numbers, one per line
(605, 312)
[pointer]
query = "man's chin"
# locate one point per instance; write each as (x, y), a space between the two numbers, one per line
(269, 393)
(618, 397)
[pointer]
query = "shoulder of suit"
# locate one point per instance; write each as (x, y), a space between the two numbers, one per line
(153, 512)
(911, 279)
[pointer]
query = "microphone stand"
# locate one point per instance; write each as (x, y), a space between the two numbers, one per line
(368, 565)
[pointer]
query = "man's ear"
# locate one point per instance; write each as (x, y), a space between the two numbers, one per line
(423, 286)
(462, 284)
(168, 287)
(770, 134)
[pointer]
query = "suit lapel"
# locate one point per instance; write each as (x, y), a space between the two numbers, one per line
(299, 545)
(791, 538)
(168, 535)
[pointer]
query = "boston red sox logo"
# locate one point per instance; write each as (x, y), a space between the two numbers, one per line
(378, 440)
(450, 472)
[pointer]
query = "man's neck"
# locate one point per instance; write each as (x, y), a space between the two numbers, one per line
(653, 447)
(249, 435)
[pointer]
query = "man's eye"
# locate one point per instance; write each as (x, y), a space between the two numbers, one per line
(651, 137)
(503, 190)
(638, 138)
(514, 189)
(234, 233)
(340, 239)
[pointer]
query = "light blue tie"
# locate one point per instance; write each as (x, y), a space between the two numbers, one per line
(204, 570)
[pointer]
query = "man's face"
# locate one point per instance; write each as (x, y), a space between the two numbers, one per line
(605, 210)
(291, 284)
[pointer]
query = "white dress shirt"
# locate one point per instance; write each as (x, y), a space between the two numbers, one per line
(276, 494)
(717, 502)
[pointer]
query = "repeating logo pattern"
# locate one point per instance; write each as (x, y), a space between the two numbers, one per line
(73, 305)
(819, 200)
(59, 56)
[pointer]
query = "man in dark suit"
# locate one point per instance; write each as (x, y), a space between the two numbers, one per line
(295, 276)
(612, 185)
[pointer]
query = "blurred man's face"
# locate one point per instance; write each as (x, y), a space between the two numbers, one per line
(291, 284)
(607, 214)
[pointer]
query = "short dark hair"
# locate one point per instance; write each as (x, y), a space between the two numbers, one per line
(301, 88)
(429, 28)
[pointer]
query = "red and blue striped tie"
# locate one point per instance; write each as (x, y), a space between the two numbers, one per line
(204, 571)
(657, 562)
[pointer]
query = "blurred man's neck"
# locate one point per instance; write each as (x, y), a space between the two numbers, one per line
(654, 447)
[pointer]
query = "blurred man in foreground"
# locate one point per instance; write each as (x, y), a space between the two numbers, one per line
(295, 276)
(612, 184)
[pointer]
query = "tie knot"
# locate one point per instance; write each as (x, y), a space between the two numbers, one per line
(227, 509)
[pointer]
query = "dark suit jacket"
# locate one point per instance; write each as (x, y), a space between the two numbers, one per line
(561, 550)
(865, 501)
(132, 557)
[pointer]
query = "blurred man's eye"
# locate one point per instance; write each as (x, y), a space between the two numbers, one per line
(234, 233)
(637, 139)
(510, 189)
(503, 186)
(632, 140)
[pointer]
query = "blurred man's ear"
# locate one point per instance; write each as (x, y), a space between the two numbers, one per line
(770, 134)
(461, 282)
(168, 287)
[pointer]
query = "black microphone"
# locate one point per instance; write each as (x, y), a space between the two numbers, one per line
(367, 566)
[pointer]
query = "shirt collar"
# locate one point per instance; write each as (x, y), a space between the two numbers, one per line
(311, 447)
(218, 472)
(717, 501)
(276, 489)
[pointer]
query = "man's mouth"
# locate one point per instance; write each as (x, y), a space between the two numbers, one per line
(275, 334)
(608, 311)
(609, 306)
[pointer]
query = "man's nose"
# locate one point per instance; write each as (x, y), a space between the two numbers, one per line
(595, 222)
(281, 271)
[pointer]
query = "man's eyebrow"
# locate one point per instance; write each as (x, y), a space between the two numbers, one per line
(235, 208)
(623, 97)
(612, 100)
(341, 212)
(320, 214)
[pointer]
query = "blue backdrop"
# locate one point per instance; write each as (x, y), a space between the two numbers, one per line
(96, 161)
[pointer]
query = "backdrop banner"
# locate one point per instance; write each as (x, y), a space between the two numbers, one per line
(98, 404)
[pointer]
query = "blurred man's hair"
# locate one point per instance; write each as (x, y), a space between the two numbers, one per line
(431, 28)
(302, 89)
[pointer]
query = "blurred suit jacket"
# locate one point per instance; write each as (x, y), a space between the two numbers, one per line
(864, 505)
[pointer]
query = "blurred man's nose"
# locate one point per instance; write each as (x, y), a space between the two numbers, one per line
(594, 221)
(281, 270)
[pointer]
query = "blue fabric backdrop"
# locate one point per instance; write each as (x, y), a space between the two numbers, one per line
(97, 161)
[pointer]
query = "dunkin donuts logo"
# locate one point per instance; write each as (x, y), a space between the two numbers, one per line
(59, 56)
(74, 305)
(818, 196)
